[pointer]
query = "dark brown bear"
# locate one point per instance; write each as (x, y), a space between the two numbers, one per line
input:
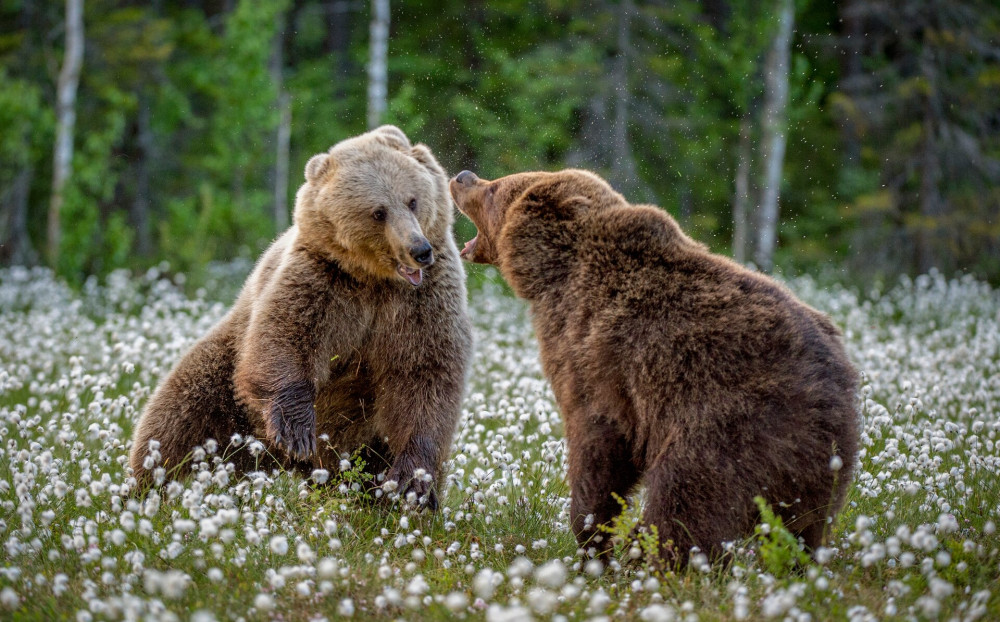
(350, 333)
(707, 382)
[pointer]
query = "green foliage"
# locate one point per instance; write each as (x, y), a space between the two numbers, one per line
(177, 114)
(780, 551)
(25, 124)
(930, 150)
(639, 540)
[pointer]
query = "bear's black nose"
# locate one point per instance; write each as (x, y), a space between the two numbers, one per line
(466, 178)
(422, 253)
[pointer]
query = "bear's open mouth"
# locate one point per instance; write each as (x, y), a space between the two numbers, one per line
(469, 247)
(413, 275)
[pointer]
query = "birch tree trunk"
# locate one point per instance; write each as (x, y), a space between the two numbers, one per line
(69, 79)
(378, 46)
(773, 129)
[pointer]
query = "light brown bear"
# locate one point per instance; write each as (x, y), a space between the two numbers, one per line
(352, 327)
(672, 366)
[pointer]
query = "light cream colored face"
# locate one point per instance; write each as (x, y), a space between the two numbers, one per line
(382, 202)
(374, 199)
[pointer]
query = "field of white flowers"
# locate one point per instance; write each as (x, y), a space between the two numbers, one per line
(916, 541)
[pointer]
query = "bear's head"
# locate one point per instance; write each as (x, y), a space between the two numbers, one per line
(537, 227)
(376, 205)
(549, 198)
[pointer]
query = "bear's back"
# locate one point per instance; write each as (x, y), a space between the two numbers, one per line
(648, 312)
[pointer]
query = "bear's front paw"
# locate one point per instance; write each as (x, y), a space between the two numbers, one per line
(291, 422)
(415, 491)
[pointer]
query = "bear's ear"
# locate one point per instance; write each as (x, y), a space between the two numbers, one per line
(394, 137)
(421, 153)
(317, 166)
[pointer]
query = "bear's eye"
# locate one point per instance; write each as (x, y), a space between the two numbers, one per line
(412, 205)
(379, 214)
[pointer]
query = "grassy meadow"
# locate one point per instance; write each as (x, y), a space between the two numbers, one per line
(916, 540)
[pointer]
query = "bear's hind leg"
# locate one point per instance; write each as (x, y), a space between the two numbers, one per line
(600, 468)
(694, 499)
(193, 404)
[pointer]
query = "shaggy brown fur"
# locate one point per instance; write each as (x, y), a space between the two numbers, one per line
(710, 383)
(350, 326)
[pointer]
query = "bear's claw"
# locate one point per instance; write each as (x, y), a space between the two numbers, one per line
(291, 422)
(415, 492)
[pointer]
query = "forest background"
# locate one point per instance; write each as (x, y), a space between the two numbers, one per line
(858, 136)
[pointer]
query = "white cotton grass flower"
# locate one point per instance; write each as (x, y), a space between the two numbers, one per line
(60, 583)
(320, 476)
(520, 567)
(657, 613)
(551, 574)
(542, 601)
(594, 567)
(417, 586)
(345, 608)
(279, 545)
(515, 613)
(303, 589)
(9, 598)
(327, 568)
(117, 537)
(263, 602)
(484, 584)
(599, 602)
(456, 602)
(305, 553)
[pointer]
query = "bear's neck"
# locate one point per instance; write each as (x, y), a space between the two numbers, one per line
(339, 261)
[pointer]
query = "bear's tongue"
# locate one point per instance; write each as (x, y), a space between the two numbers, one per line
(414, 276)
(469, 247)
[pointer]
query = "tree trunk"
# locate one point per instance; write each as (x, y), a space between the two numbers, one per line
(283, 132)
(69, 79)
(15, 243)
(930, 175)
(852, 47)
(741, 194)
(773, 128)
(338, 43)
(378, 46)
(591, 146)
(139, 212)
(281, 163)
(623, 167)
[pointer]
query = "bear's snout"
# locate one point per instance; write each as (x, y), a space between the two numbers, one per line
(422, 253)
(466, 178)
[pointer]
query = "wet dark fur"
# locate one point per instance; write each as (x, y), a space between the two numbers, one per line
(672, 366)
